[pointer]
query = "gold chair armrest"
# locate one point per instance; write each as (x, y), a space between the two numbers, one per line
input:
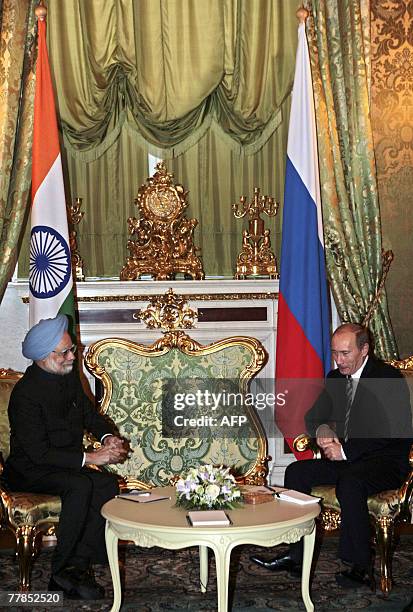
(5, 503)
(90, 443)
(406, 494)
(305, 442)
(406, 499)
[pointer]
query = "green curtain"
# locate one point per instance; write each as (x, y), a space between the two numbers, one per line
(352, 228)
(169, 68)
(204, 85)
(16, 126)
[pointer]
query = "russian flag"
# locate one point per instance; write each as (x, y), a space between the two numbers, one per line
(50, 278)
(303, 329)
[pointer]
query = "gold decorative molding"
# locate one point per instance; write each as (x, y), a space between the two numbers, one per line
(403, 364)
(304, 442)
(7, 373)
(330, 519)
(256, 257)
(168, 312)
(224, 297)
(161, 241)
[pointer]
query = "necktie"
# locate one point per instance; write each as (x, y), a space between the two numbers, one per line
(349, 399)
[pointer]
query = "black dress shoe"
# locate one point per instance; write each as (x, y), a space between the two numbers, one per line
(66, 580)
(355, 578)
(67, 593)
(88, 588)
(76, 584)
(283, 563)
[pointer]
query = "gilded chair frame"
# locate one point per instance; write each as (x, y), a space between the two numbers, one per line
(384, 525)
(178, 339)
(27, 533)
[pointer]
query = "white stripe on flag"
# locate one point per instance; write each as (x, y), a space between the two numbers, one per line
(302, 134)
(49, 206)
(49, 209)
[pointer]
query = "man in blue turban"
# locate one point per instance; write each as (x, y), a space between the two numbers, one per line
(48, 413)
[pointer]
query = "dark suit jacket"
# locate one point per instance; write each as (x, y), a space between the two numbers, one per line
(380, 418)
(48, 414)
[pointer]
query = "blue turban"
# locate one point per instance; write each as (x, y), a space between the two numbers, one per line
(43, 337)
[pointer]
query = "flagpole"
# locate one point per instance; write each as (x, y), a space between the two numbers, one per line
(40, 11)
(302, 14)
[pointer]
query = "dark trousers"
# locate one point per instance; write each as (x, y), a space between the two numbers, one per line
(81, 529)
(354, 482)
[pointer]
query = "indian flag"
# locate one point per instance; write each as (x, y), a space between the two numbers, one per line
(50, 277)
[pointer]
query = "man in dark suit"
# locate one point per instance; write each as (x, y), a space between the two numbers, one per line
(48, 414)
(363, 424)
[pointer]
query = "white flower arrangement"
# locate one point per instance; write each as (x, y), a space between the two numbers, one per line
(208, 487)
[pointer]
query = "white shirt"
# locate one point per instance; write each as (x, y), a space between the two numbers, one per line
(355, 378)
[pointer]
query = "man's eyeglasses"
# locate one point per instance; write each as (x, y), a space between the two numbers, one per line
(65, 352)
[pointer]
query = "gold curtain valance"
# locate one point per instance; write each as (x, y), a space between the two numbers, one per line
(169, 70)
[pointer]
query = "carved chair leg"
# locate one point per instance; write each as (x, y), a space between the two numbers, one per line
(25, 550)
(384, 534)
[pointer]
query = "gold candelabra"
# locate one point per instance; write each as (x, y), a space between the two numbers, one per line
(256, 257)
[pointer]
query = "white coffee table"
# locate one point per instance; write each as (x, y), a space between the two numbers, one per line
(161, 524)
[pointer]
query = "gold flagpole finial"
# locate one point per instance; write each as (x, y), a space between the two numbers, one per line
(302, 14)
(40, 11)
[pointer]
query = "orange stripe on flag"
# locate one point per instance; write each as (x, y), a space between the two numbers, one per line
(45, 133)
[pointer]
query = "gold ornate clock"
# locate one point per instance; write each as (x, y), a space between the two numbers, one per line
(163, 204)
(161, 242)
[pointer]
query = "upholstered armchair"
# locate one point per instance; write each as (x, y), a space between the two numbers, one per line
(27, 515)
(387, 509)
(140, 382)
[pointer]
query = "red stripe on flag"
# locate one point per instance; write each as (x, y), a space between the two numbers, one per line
(296, 361)
(45, 133)
(296, 358)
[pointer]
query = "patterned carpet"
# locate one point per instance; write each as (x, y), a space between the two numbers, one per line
(156, 580)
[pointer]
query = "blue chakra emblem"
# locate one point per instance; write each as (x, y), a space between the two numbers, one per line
(50, 262)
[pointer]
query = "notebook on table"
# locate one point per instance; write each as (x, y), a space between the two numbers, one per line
(208, 518)
(295, 497)
(142, 497)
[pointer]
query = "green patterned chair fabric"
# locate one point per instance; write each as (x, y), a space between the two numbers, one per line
(135, 379)
(24, 514)
(386, 509)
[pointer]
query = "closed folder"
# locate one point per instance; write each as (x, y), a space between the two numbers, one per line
(208, 518)
(295, 497)
(142, 497)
